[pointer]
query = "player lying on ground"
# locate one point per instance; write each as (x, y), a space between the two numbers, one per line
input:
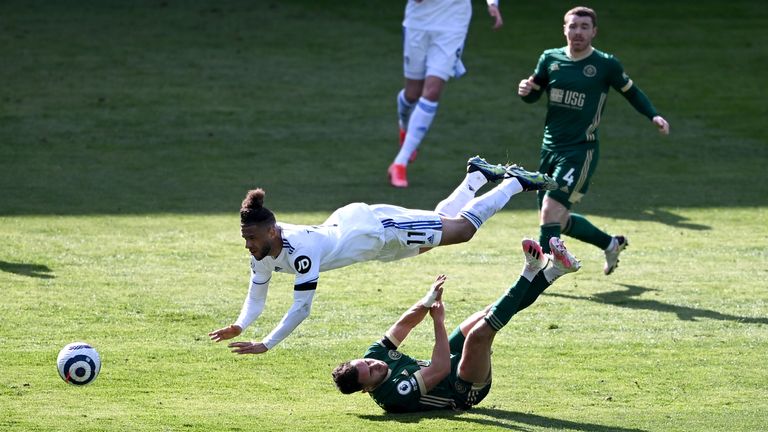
(360, 232)
(459, 374)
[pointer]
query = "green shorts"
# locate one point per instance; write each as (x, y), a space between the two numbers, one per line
(465, 393)
(572, 170)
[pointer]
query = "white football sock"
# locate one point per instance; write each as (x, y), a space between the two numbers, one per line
(480, 209)
(511, 186)
(451, 206)
(529, 274)
(551, 272)
(418, 125)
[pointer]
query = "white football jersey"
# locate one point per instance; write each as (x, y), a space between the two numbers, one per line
(350, 235)
(440, 15)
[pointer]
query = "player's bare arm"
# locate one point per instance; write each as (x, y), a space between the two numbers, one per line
(440, 365)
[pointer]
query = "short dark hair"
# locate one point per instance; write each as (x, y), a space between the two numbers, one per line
(345, 377)
(582, 11)
(252, 210)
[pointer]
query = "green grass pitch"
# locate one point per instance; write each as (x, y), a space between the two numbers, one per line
(129, 132)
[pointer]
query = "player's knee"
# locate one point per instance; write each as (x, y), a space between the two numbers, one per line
(413, 90)
(457, 230)
(554, 212)
(465, 371)
(480, 336)
(412, 95)
(433, 87)
(431, 95)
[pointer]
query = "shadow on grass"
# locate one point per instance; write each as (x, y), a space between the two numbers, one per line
(31, 270)
(628, 298)
(667, 218)
(512, 420)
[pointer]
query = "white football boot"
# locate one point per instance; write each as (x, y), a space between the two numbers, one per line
(618, 244)
(563, 262)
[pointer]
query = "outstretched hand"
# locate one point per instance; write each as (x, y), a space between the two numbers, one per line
(248, 347)
(225, 333)
(435, 293)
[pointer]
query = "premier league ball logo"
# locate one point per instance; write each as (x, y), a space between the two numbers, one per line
(78, 363)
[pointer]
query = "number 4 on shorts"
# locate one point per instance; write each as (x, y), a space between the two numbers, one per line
(568, 177)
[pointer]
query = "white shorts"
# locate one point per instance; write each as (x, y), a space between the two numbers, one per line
(406, 231)
(433, 53)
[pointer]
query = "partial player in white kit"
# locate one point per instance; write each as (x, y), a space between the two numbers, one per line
(360, 232)
(433, 41)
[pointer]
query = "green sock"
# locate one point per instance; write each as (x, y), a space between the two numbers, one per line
(580, 228)
(538, 285)
(506, 306)
(546, 232)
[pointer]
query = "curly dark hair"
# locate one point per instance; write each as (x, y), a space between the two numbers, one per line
(345, 377)
(252, 210)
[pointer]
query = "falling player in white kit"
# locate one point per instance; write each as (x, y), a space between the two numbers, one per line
(360, 232)
(433, 41)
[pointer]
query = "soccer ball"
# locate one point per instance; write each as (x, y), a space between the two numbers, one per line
(78, 363)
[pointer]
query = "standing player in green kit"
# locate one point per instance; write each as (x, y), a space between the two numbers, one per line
(576, 79)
